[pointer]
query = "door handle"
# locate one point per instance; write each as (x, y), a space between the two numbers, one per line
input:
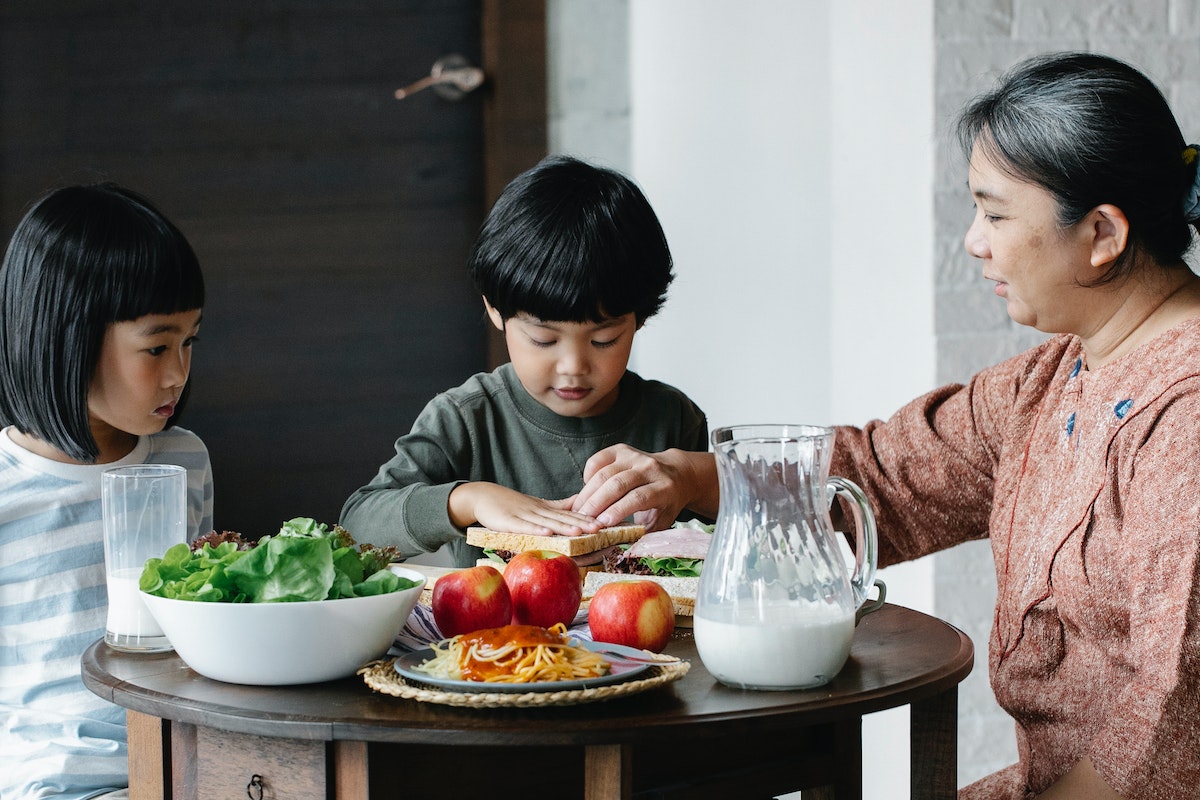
(452, 77)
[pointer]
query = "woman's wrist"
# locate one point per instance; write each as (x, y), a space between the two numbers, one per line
(700, 478)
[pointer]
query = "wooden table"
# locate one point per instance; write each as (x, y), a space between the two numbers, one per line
(191, 738)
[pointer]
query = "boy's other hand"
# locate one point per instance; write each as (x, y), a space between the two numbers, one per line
(621, 481)
(502, 509)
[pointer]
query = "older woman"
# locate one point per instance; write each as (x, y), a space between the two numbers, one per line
(1080, 458)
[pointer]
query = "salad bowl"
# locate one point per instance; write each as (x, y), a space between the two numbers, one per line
(272, 644)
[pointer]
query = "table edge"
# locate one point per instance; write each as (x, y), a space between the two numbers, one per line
(594, 731)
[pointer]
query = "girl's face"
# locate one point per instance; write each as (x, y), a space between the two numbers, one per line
(143, 366)
(572, 368)
(1037, 264)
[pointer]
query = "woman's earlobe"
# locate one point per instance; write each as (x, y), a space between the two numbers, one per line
(1110, 234)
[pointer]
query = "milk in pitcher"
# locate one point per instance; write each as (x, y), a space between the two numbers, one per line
(777, 647)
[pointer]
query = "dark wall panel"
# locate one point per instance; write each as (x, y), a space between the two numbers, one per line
(333, 222)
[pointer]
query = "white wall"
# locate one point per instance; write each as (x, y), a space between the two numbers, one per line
(883, 351)
(730, 140)
(787, 148)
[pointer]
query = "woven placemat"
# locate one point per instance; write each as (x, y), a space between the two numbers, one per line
(382, 677)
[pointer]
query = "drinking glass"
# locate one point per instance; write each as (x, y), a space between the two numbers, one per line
(144, 508)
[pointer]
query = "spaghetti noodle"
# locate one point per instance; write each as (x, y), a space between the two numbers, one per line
(513, 654)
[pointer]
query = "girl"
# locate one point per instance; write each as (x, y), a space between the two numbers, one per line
(100, 300)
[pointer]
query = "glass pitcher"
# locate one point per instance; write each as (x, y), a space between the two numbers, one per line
(776, 608)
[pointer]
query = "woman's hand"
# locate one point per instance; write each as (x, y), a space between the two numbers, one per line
(653, 488)
(502, 509)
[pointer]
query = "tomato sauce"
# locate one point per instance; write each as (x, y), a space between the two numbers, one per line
(491, 640)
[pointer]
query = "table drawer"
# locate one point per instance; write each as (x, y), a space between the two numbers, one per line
(209, 764)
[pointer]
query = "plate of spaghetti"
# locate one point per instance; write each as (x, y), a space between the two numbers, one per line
(519, 658)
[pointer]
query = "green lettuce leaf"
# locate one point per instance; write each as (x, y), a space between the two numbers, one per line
(677, 567)
(304, 561)
(285, 569)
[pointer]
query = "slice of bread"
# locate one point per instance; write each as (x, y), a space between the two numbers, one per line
(568, 545)
(682, 590)
(500, 565)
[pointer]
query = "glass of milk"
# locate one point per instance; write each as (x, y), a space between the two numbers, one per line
(778, 602)
(144, 508)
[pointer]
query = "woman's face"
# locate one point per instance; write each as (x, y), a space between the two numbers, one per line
(1037, 265)
(143, 366)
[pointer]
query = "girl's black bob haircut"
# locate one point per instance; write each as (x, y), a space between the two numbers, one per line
(82, 258)
(571, 242)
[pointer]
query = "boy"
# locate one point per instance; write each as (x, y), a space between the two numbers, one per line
(571, 262)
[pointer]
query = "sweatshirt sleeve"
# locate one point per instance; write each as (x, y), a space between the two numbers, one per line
(406, 503)
(929, 471)
(1147, 750)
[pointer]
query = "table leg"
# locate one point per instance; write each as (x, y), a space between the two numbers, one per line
(149, 756)
(608, 772)
(933, 736)
(351, 778)
(846, 765)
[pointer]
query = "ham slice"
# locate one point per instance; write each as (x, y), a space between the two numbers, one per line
(594, 557)
(671, 543)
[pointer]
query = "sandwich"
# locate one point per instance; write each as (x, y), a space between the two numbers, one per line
(588, 550)
(673, 558)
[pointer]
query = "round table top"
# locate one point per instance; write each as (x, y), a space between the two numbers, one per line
(898, 656)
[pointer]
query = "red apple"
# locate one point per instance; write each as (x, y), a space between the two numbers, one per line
(470, 600)
(545, 588)
(633, 613)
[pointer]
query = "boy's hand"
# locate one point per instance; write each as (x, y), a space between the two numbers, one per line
(621, 481)
(502, 509)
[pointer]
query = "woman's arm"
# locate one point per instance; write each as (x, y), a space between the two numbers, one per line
(621, 481)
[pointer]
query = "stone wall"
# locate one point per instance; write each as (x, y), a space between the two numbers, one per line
(975, 41)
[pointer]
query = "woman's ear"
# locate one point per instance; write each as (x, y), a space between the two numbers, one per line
(1110, 234)
(494, 315)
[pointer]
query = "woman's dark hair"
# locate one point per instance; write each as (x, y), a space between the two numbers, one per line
(571, 242)
(1091, 130)
(82, 258)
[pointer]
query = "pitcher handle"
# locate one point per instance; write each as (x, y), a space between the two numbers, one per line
(866, 542)
(872, 605)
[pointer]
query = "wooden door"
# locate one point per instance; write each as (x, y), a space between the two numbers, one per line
(332, 221)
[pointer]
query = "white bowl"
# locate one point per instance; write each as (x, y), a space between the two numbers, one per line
(272, 644)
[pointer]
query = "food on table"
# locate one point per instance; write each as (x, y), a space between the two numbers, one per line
(682, 591)
(632, 612)
(214, 538)
(587, 550)
(304, 561)
(545, 588)
(673, 558)
(471, 599)
(678, 551)
(513, 654)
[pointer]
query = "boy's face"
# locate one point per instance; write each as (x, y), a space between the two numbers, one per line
(572, 368)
